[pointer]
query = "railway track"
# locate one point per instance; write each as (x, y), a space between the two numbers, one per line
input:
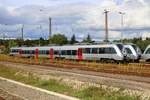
(125, 81)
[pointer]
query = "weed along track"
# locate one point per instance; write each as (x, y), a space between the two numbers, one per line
(87, 75)
(137, 69)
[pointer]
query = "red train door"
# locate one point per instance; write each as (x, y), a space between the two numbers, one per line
(20, 52)
(51, 55)
(80, 57)
(36, 54)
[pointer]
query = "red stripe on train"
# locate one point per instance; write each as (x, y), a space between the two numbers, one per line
(51, 55)
(36, 54)
(20, 52)
(80, 56)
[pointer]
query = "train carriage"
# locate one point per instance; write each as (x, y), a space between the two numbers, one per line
(146, 54)
(79, 52)
(133, 52)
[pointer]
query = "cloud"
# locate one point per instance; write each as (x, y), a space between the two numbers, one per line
(80, 17)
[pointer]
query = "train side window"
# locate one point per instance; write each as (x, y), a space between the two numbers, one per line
(24, 51)
(101, 50)
(44, 51)
(113, 51)
(148, 51)
(32, 52)
(94, 50)
(107, 51)
(74, 52)
(15, 50)
(87, 50)
(47, 51)
(28, 51)
(56, 52)
(128, 50)
(68, 52)
(63, 52)
(41, 52)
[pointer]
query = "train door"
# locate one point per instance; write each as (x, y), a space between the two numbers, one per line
(80, 55)
(36, 54)
(20, 52)
(51, 55)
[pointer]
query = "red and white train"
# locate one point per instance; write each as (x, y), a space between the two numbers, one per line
(115, 52)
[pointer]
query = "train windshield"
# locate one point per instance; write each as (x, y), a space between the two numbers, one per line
(120, 46)
(137, 49)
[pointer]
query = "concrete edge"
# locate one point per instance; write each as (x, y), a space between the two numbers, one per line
(14, 94)
(39, 89)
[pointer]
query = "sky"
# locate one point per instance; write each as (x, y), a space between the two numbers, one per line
(79, 17)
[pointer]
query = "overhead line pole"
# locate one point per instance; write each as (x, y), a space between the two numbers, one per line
(22, 32)
(122, 24)
(106, 25)
(50, 28)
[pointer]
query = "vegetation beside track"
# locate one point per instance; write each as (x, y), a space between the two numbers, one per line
(138, 69)
(90, 93)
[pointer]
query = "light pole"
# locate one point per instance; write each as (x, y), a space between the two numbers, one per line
(41, 36)
(22, 32)
(50, 26)
(122, 24)
(106, 25)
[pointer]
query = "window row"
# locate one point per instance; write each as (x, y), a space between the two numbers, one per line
(46, 52)
(99, 50)
(15, 50)
(109, 50)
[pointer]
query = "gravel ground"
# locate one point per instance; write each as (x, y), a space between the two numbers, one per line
(123, 81)
(78, 78)
(28, 93)
(7, 96)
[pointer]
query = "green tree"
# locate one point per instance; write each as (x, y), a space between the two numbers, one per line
(12, 43)
(73, 39)
(58, 39)
(88, 39)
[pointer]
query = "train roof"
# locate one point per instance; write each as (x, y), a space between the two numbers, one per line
(63, 47)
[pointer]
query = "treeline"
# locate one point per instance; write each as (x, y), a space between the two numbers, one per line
(57, 39)
(60, 39)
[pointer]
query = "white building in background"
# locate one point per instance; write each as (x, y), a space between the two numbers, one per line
(145, 35)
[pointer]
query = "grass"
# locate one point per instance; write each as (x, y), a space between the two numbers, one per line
(90, 93)
(98, 93)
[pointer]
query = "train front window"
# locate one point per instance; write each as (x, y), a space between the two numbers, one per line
(136, 48)
(120, 46)
(128, 51)
(148, 51)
